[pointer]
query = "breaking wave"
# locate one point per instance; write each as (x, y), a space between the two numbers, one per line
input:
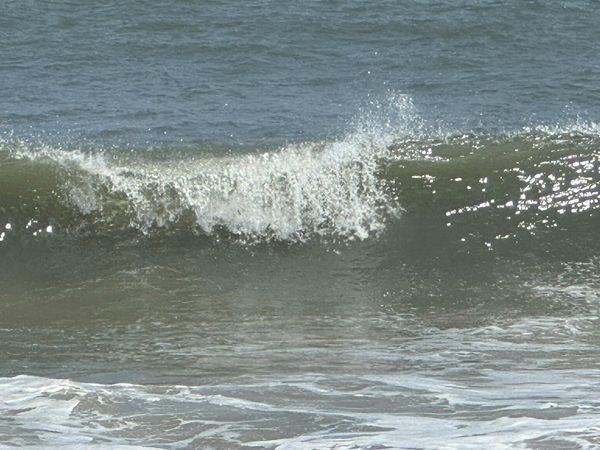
(348, 188)
(325, 188)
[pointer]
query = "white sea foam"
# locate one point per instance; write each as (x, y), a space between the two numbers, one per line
(496, 409)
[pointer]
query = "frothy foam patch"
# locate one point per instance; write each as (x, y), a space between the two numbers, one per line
(495, 409)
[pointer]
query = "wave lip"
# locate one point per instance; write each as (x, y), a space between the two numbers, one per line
(297, 192)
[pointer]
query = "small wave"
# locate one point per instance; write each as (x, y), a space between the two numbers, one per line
(350, 188)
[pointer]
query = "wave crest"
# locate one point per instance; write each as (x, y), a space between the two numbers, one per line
(303, 190)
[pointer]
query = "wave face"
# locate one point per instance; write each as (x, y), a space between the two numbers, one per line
(539, 184)
(502, 186)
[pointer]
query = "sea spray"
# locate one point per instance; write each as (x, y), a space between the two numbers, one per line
(293, 193)
(324, 188)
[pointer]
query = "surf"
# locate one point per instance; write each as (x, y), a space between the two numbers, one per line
(502, 186)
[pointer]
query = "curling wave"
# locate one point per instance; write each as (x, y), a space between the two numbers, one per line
(488, 188)
(325, 188)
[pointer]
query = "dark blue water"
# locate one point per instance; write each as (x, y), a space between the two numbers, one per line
(220, 72)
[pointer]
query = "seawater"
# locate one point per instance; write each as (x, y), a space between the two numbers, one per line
(299, 225)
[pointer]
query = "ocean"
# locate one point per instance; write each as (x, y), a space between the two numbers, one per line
(300, 225)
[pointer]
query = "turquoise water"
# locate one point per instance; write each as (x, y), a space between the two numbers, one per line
(299, 225)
